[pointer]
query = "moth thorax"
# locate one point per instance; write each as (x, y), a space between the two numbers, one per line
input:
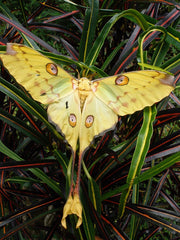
(84, 85)
(84, 88)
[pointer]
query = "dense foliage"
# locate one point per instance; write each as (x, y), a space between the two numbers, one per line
(125, 194)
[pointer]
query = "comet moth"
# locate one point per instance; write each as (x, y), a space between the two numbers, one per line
(81, 108)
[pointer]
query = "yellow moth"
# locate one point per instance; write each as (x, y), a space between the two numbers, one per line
(79, 108)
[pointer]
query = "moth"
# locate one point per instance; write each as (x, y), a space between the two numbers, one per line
(81, 108)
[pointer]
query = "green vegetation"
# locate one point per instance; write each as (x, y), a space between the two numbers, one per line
(94, 38)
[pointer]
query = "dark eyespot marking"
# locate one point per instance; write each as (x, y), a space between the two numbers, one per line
(72, 120)
(121, 80)
(89, 121)
(52, 69)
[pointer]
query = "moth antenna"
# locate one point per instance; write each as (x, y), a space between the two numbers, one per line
(84, 73)
(91, 76)
(78, 73)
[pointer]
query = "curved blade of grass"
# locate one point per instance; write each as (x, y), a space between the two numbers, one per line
(145, 34)
(50, 182)
(162, 47)
(68, 61)
(142, 146)
(94, 52)
(132, 52)
(89, 29)
(61, 59)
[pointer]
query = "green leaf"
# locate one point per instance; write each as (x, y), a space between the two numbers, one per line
(94, 52)
(148, 66)
(89, 29)
(6, 151)
(173, 37)
(94, 194)
(158, 168)
(172, 62)
(87, 223)
(93, 189)
(112, 55)
(142, 146)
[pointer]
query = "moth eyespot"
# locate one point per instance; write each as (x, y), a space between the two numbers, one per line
(72, 120)
(121, 80)
(89, 121)
(52, 69)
